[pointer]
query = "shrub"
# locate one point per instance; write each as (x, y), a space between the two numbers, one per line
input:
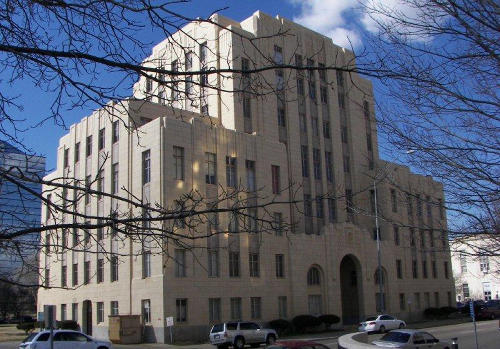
(67, 325)
(432, 313)
(29, 326)
(447, 310)
(329, 319)
(301, 322)
(280, 326)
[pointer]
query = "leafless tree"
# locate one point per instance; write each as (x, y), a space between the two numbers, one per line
(438, 62)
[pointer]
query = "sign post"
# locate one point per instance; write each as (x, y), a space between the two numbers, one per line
(170, 324)
(49, 315)
(473, 316)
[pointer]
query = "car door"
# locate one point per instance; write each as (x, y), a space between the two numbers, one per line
(77, 340)
(430, 341)
(391, 322)
(42, 342)
(385, 321)
(247, 331)
(418, 341)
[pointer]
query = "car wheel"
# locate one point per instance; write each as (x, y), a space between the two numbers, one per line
(401, 325)
(492, 316)
(239, 343)
(102, 348)
(382, 329)
(271, 339)
(222, 346)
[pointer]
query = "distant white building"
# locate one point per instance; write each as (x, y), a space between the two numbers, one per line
(476, 271)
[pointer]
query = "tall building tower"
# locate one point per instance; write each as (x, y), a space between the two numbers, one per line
(284, 129)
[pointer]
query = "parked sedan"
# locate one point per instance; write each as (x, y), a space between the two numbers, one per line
(63, 339)
(380, 323)
(410, 339)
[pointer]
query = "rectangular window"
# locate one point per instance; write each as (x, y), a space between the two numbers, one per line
(252, 220)
(74, 312)
(146, 311)
(446, 270)
(465, 290)
(250, 167)
(323, 95)
(422, 238)
(412, 237)
(253, 264)
(428, 205)
(332, 212)
(319, 207)
(75, 274)
(102, 138)
(231, 171)
(100, 270)
(329, 166)
(278, 223)
(424, 269)
(180, 263)
(414, 269)
(115, 132)
(114, 268)
(210, 168)
(236, 308)
(100, 184)
(115, 184)
(300, 87)
(281, 116)
(255, 307)
(349, 204)
(179, 162)
(234, 264)
(315, 304)
(189, 60)
(303, 123)
(282, 307)
(326, 128)
(88, 183)
(402, 301)
(347, 165)
(63, 312)
(314, 125)
(114, 310)
(317, 163)
(88, 150)
(419, 205)
(434, 269)
(146, 263)
(307, 205)
(416, 296)
(77, 152)
(397, 241)
(436, 299)
(146, 167)
(275, 174)
(484, 264)
(86, 272)
(213, 263)
(394, 201)
(441, 208)
(304, 152)
(280, 266)
(64, 273)
(100, 312)
(214, 310)
(463, 262)
(66, 158)
(399, 269)
(181, 309)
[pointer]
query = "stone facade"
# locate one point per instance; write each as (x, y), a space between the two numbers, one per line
(321, 139)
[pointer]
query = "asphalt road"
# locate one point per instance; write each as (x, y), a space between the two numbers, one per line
(488, 336)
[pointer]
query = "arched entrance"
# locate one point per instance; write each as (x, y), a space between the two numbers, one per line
(87, 317)
(350, 289)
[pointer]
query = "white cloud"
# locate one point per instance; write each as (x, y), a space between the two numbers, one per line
(342, 20)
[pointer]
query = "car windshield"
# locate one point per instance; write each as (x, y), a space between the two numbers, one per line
(30, 337)
(371, 318)
(398, 337)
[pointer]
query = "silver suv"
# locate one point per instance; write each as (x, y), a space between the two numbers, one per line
(238, 334)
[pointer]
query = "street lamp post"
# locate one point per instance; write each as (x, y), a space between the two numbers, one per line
(381, 295)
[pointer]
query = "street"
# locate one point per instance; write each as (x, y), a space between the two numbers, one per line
(487, 333)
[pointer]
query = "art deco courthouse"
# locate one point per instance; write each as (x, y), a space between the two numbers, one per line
(315, 135)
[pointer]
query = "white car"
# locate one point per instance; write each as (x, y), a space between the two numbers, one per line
(63, 339)
(380, 323)
(237, 334)
(410, 339)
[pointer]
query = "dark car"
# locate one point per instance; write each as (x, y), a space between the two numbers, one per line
(296, 344)
(488, 311)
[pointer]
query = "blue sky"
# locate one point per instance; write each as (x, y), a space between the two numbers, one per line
(335, 18)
